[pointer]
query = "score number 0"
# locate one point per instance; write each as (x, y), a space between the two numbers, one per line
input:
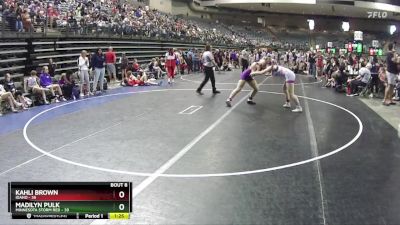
(121, 194)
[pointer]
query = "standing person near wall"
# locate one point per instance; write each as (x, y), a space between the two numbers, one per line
(111, 59)
(178, 56)
(189, 60)
(208, 63)
(170, 64)
(52, 67)
(83, 70)
(98, 61)
(391, 73)
(311, 65)
(124, 61)
(320, 64)
(220, 58)
(196, 61)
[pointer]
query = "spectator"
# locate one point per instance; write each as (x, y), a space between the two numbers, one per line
(234, 59)
(397, 96)
(364, 75)
(52, 14)
(140, 80)
(182, 66)
(9, 86)
(111, 59)
(171, 59)
(391, 73)
(18, 23)
(98, 65)
(340, 78)
(52, 67)
(8, 97)
(152, 68)
(26, 21)
(83, 70)
(219, 58)
(156, 68)
(244, 59)
(135, 66)
(47, 82)
(189, 60)
(196, 61)
(311, 68)
(66, 84)
(374, 78)
(34, 88)
(124, 66)
(225, 66)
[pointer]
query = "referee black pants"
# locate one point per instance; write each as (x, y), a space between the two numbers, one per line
(209, 76)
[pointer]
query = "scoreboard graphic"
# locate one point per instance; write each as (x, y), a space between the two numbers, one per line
(70, 200)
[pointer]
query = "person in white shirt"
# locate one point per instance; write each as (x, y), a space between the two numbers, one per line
(83, 68)
(364, 75)
(208, 64)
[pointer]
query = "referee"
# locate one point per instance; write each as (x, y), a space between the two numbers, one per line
(208, 63)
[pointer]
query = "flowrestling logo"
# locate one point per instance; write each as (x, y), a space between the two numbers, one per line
(377, 15)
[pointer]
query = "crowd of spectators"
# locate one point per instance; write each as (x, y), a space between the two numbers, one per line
(111, 17)
(350, 73)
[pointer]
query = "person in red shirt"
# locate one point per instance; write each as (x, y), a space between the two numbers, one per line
(133, 81)
(170, 64)
(135, 66)
(111, 58)
(52, 14)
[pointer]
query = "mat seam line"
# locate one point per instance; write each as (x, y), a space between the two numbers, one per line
(314, 153)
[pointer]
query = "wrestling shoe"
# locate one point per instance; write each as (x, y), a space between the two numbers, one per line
(250, 102)
(298, 109)
(228, 103)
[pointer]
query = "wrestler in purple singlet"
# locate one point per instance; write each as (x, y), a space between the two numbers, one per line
(246, 75)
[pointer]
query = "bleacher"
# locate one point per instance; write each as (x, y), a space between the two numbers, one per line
(18, 58)
(13, 55)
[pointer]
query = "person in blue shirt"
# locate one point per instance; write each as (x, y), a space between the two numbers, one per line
(98, 61)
